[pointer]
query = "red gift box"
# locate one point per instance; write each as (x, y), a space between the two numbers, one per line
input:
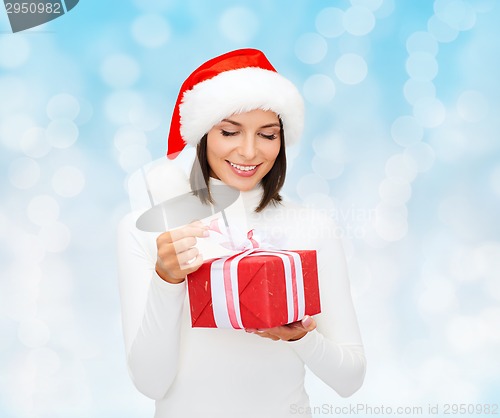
(254, 289)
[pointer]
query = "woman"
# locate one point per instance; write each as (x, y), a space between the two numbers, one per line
(240, 114)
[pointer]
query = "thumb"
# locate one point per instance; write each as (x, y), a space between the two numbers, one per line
(308, 323)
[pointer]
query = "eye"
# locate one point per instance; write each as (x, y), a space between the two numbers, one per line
(227, 133)
(270, 136)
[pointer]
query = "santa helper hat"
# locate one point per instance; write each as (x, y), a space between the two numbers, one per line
(236, 82)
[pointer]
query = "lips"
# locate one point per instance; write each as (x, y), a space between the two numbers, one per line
(243, 170)
(243, 167)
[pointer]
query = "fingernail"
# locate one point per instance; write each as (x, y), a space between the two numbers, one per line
(307, 321)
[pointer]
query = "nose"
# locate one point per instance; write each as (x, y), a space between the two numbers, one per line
(248, 147)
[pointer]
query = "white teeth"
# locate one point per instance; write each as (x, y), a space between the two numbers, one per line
(243, 167)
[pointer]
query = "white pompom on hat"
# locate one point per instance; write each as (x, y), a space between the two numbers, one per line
(236, 82)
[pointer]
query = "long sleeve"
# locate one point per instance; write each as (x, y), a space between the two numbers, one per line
(168, 359)
(151, 313)
(334, 351)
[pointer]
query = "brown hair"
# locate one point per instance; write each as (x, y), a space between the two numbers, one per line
(272, 182)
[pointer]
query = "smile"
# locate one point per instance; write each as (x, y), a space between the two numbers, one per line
(243, 167)
(243, 170)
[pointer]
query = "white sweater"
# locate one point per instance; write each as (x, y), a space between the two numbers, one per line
(219, 373)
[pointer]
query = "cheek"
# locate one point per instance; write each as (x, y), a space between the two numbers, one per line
(217, 147)
(273, 150)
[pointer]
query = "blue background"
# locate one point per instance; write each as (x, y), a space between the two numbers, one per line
(401, 146)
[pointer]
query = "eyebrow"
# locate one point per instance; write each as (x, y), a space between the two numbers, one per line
(269, 125)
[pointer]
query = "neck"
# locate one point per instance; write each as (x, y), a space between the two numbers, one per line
(250, 198)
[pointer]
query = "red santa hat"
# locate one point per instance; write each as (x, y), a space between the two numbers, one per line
(236, 82)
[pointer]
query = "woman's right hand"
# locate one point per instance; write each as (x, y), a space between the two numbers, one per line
(177, 255)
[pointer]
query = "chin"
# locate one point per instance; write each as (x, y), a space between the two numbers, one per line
(242, 186)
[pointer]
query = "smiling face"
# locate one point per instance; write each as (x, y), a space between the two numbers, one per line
(242, 148)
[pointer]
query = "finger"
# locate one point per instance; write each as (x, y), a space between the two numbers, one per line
(184, 244)
(184, 232)
(279, 333)
(308, 323)
(188, 257)
(192, 266)
(198, 223)
(292, 331)
(190, 230)
(265, 334)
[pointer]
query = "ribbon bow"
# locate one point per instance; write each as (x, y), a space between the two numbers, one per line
(234, 238)
(224, 275)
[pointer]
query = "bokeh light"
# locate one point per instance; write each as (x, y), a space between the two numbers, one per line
(239, 24)
(33, 333)
(14, 92)
(394, 192)
(134, 157)
(55, 237)
(146, 117)
(43, 210)
(441, 31)
(319, 89)
(429, 111)
(400, 167)
(14, 51)
(369, 4)
(311, 48)
(466, 333)
(120, 71)
(422, 42)
(45, 360)
(414, 90)
(119, 105)
(329, 22)
(68, 181)
(23, 243)
(458, 14)
(386, 9)
(351, 69)
(62, 133)
(12, 129)
(391, 221)
(422, 155)
(127, 136)
(438, 297)
(406, 130)
(85, 113)
(312, 184)
(358, 21)
(449, 144)
(150, 30)
(327, 167)
(494, 180)
(24, 173)
(63, 106)
(330, 145)
(422, 66)
(472, 106)
(34, 143)
(153, 5)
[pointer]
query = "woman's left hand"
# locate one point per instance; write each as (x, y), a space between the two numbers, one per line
(290, 332)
